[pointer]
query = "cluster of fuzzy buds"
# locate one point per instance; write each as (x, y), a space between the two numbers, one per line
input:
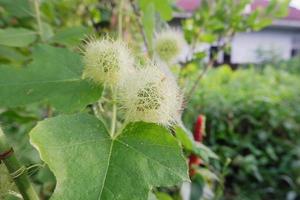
(169, 45)
(106, 61)
(151, 96)
(147, 94)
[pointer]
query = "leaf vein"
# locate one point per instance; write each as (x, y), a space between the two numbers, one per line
(136, 150)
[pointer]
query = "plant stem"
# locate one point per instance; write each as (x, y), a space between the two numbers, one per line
(113, 89)
(197, 81)
(38, 18)
(16, 170)
(114, 114)
(120, 19)
(140, 25)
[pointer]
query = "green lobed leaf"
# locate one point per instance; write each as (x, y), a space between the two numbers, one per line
(53, 76)
(16, 37)
(89, 164)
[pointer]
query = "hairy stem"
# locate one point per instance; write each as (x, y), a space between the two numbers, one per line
(114, 92)
(16, 170)
(209, 65)
(38, 18)
(114, 114)
(197, 81)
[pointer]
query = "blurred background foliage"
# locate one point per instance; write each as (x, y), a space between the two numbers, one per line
(252, 113)
(253, 119)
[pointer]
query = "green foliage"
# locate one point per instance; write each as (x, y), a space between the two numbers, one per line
(291, 65)
(89, 164)
(143, 155)
(253, 118)
(191, 146)
(70, 36)
(149, 9)
(53, 76)
(17, 8)
(16, 37)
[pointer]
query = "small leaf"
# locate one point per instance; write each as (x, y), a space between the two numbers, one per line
(53, 76)
(199, 149)
(184, 137)
(164, 8)
(16, 37)
(11, 54)
(163, 196)
(203, 151)
(70, 36)
(89, 164)
(209, 38)
(148, 20)
(17, 8)
(47, 31)
(152, 196)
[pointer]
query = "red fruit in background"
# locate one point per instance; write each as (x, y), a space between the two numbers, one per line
(198, 137)
(199, 128)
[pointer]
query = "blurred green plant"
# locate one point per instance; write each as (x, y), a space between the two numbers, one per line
(253, 118)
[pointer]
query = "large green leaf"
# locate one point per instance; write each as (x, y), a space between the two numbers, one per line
(53, 76)
(16, 37)
(89, 164)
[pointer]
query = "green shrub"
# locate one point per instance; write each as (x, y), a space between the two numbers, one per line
(253, 118)
(292, 65)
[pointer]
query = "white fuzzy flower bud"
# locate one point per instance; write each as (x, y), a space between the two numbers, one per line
(151, 96)
(169, 45)
(106, 61)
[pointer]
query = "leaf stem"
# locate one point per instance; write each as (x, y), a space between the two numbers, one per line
(16, 170)
(38, 18)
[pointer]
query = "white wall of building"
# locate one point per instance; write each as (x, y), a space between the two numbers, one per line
(245, 46)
